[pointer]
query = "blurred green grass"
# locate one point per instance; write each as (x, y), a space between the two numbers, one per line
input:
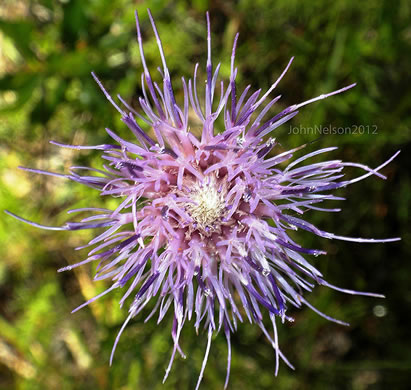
(47, 51)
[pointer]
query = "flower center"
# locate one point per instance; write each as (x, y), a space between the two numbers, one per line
(208, 205)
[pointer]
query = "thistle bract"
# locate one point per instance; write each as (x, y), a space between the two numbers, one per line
(202, 224)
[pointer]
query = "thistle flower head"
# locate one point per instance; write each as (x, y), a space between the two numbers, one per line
(202, 224)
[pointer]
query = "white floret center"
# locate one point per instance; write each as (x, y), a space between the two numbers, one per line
(208, 204)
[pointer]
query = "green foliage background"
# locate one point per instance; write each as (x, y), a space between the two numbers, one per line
(47, 51)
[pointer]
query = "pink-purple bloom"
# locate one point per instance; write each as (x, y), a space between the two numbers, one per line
(202, 224)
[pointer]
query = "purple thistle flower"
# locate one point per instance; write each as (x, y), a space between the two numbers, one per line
(202, 223)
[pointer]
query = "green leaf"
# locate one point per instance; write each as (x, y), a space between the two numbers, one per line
(19, 32)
